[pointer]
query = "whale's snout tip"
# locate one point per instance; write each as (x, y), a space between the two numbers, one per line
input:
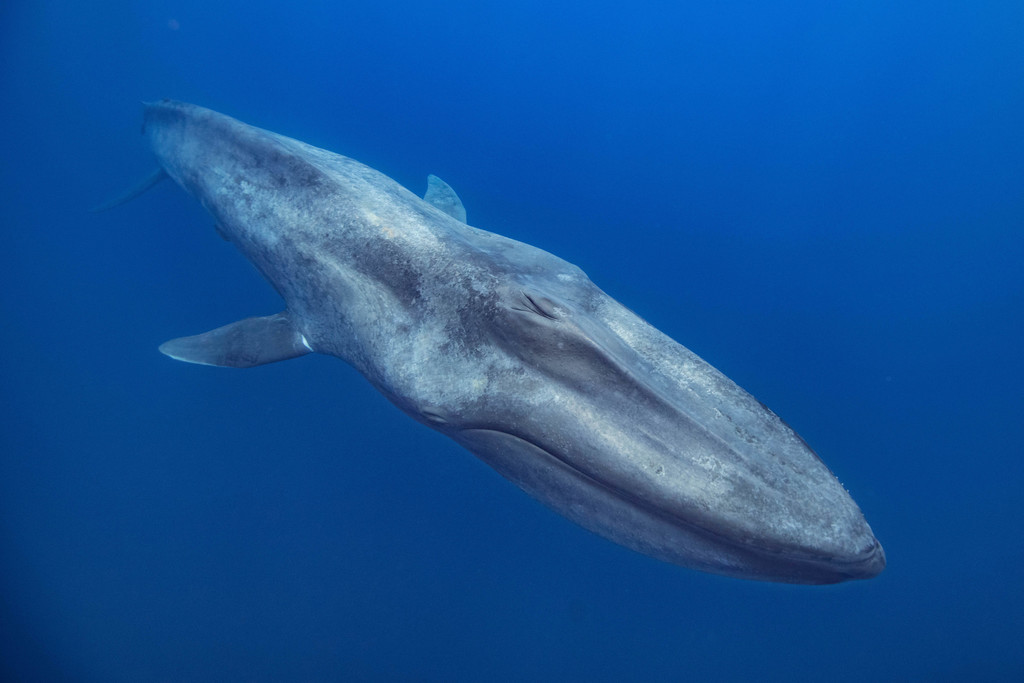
(873, 562)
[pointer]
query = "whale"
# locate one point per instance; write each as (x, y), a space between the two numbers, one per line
(513, 353)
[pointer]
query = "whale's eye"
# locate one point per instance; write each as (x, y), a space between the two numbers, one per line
(537, 304)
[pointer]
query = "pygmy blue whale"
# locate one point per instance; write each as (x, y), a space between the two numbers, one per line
(512, 352)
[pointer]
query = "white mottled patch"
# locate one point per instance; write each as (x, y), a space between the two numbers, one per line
(681, 366)
(412, 233)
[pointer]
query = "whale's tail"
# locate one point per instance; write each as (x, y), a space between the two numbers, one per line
(150, 180)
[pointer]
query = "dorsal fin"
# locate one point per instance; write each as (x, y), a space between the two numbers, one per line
(440, 194)
(151, 180)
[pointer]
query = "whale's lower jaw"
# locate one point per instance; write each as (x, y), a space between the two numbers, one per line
(615, 515)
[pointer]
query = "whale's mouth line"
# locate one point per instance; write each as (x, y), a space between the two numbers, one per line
(836, 564)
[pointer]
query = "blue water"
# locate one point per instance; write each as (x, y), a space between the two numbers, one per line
(823, 199)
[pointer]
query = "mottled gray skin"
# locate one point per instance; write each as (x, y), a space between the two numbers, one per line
(516, 355)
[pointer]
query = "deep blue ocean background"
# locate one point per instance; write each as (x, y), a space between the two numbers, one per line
(823, 199)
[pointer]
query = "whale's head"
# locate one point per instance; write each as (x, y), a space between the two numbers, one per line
(616, 426)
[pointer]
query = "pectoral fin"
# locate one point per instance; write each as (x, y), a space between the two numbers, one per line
(440, 194)
(244, 344)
